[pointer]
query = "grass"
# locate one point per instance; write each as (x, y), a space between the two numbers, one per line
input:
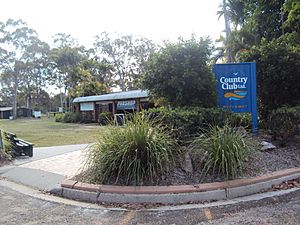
(46, 132)
(137, 153)
(226, 149)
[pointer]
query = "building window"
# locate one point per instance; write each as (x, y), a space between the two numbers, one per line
(87, 106)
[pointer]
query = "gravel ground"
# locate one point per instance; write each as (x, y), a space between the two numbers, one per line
(277, 159)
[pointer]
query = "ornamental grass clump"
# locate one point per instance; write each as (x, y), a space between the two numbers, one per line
(134, 154)
(225, 150)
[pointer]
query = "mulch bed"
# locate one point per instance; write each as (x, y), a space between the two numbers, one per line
(260, 163)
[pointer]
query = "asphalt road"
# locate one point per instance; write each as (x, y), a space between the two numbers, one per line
(19, 208)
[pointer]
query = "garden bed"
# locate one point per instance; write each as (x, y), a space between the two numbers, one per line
(262, 162)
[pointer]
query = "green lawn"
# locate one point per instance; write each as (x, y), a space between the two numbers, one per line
(46, 132)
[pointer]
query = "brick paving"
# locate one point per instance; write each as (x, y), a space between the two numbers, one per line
(68, 164)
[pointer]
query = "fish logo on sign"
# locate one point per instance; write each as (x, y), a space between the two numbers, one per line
(236, 95)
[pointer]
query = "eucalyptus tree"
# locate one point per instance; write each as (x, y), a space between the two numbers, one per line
(36, 72)
(15, 38)
(64, 58)
(126, 54)
(100, 70)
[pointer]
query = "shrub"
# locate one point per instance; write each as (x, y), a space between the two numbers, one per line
(283, 123)
(188, 122)
(59, 117)
(7, 144)
(72, 117)
(105, 118)
(225, 150)
(137, 153)
(69, 117)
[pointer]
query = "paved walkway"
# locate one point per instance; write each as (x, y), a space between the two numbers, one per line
(48, 167)
(68, 164)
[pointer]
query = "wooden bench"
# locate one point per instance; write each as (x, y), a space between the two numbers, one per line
(19, 146)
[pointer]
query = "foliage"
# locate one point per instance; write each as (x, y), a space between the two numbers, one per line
(179, 73)
(5, 152)
(126, 54)
(278, 72)
(188, 122)
(137, 153)
(225, 150)
(72, 117)
(21, 56)
(7, 144)
(257, 20)
(63, 62)
(59, 117)
(93, 77)
(292, 9)
(105, 118)
(267, 18)
(68, 117)
(283, 123)
(89, 87)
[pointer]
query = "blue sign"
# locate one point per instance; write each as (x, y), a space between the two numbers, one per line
(236, 88)
(129, 104)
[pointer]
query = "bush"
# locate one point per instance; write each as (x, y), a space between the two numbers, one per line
(188, 122)
(59, 117)
(7, 144)
(72, 117)
(225, 150)
(137, 153)
(105, 118)
(283, 123)
(69, 117)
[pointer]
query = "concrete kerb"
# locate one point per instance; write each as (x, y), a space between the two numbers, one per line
(174, 194)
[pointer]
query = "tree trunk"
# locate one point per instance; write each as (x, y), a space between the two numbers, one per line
(61, 99)
(28, 102)
(15, 98)
(227, 30)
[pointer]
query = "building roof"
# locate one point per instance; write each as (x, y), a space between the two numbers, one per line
(113, 96)
(5, 109)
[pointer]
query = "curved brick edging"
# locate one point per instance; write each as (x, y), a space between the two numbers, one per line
(175, 194)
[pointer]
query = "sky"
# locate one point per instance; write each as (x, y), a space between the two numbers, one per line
(154, 19)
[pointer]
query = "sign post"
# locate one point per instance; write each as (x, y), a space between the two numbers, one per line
(236, 88)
